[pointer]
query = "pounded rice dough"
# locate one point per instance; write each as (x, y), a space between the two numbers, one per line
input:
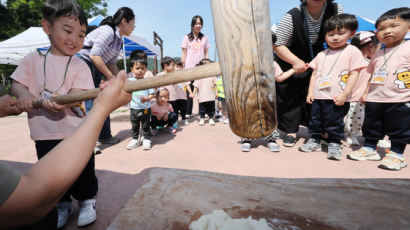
(220, 220)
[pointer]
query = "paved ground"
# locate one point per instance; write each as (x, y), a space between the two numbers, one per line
(209, 148)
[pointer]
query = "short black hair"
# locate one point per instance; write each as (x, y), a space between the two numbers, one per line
(138, 56)
(402, 12)
(166, 61)
(159, 91)
(53, 9)
(341, 21)
(178, 62)
(304, 1)
(205, 61)
(273, 38)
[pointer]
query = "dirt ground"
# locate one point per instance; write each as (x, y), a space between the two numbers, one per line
(206, 148)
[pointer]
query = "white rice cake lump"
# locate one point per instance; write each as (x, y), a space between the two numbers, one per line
(220, 220)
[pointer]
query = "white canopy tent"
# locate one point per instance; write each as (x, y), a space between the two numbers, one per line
(13, 50)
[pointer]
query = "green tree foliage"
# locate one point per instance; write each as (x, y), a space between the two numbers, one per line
(6, 27)
(22, 14)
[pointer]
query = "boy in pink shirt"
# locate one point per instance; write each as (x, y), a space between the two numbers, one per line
(177, 94)
(207, 93)
(335, 72)
(387, 109)
(58, 72)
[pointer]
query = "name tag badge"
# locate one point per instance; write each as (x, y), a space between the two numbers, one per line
(324, 82)
(379, 77)
(45, 95)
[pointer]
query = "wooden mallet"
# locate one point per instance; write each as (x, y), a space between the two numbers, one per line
(243, 39)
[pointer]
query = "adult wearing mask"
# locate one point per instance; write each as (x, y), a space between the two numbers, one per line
(195, 47)
(101, 49)
(300, 38)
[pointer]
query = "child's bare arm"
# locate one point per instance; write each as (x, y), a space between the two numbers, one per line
(310, 98)
(149, 98)
(351, 82)
(25, 102)
(362, 99)
(192, 95)
(285, 75)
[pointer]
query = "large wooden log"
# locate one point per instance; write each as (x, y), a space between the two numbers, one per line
(244, 43)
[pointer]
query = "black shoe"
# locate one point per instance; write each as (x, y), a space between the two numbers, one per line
(289, 141)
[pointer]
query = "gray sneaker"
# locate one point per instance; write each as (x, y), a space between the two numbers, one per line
(246, 147)
(334, 152)
(273, 146)
(311, 146)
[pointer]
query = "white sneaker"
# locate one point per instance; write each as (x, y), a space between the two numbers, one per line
(132, 144)
(186, 122)
(211, 121)
(86, 213)
(273, 146)
(146, 144)
(201, 122)
(352, 140)
(64, 209)
(384, 144)
(187, 116)
(226, 121)
(246, 147)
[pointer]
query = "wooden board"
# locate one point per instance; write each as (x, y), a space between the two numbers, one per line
(173, 198)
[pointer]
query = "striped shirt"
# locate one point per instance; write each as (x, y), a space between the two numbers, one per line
(284, 31)
(103, 43)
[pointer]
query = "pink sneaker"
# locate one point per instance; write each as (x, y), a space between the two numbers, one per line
(171, 129)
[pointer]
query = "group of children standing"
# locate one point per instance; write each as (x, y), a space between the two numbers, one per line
(152, 109)
(341, 74)
(347, 76)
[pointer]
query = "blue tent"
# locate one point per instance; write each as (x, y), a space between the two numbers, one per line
(365, 24)
(95, 21)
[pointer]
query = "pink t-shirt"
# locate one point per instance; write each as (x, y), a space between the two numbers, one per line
(176, 91)
(195, 50)
(361, 85)
(157, 110)
(206, 88)
(396, 87)
(45, 125)
(336, 64)
(277, 69)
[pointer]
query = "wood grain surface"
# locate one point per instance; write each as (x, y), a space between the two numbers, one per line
(244, 43)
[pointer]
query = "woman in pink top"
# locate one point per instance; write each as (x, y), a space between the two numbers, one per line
(195, 47)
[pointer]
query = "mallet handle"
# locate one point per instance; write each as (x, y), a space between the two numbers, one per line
(191, 74)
